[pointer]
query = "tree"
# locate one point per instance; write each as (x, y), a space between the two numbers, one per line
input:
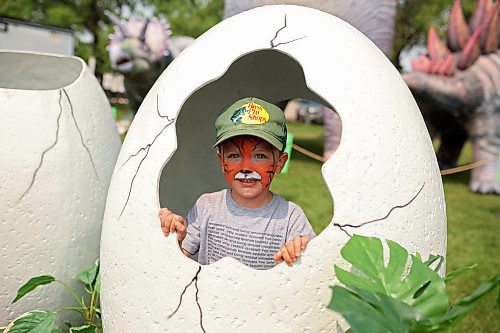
(191, 17)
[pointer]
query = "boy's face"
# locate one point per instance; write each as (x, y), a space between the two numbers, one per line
(249, 164)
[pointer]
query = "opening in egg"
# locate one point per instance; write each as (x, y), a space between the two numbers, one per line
(273, 76)
(36, 71)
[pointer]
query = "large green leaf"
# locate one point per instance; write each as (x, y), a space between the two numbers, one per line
(33, 322)
(32, 284)
(433, 258)
(84, 329)
(89, 275)
(386, 299)
(372, 312)
(458, 311)
(456, 273)
(421, 287)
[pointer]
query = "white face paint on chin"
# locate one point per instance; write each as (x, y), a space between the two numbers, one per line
(248, 176)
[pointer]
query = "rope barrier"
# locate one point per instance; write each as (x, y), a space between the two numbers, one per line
(308, 153)
(450, 171)
(465, 167)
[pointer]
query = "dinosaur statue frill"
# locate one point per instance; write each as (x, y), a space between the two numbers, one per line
(140, 50)
(457, 87)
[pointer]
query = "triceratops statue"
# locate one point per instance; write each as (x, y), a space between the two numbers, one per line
(140, 50)
(458, 90)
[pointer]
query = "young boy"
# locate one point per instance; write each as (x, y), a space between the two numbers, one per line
(247, 222)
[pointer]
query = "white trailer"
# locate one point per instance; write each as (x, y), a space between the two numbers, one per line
(29, 36)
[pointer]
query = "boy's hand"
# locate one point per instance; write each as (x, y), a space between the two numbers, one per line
(171, 222)
(291, 250)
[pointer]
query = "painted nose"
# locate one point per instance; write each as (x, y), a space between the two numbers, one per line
(246, 172)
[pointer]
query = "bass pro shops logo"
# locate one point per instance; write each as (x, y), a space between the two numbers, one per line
(251, 114)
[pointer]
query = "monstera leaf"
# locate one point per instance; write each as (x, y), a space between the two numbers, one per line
(399, 297)
(372, 312)
(421, 288)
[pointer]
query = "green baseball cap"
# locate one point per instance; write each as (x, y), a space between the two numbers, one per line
(252, 116)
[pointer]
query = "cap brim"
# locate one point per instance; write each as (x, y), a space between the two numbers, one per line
(252, 132)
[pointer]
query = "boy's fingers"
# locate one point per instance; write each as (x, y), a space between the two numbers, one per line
(163, 218)
(290, 250)
(164, 211)
(167, 223)
(181, 230)
(278, 257)
(180, 226)
(297, 242)
(175, 219)
(286, 256)
(304, 241)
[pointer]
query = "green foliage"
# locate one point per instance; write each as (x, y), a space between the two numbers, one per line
(366, 254)
(191, 18)
(32, 284)
(89, 276)
(454, 274)
(44, 321)
(387, 299)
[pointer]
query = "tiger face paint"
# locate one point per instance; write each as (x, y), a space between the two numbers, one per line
(249, 161)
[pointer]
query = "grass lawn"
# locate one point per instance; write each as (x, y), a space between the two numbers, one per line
(473, 222)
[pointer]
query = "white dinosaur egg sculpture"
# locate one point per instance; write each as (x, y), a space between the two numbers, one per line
(385, 159)
(58, 147)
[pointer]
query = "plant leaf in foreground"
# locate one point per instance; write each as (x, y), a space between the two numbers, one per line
(372, 312)
(33, 322)
(456, 273)
(88, 276)
(421, 287)
(32, 284)
(84, 329)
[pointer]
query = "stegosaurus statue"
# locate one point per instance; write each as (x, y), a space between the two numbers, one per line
(141, 49)
(457, 87)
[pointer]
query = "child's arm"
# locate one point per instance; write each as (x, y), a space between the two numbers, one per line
(291, 250)
(171, 222)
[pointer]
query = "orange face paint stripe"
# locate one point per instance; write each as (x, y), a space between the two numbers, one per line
(245, 147)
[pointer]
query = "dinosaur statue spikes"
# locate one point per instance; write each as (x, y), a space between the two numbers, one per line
(458, 31)
(471, 50)
(464, 103)
(479, 14)
(489, 37)
(498, 29)
(447, 67)
(437, 48)
(484, 39)
(440, 60)
(142, 34)
(116, 21)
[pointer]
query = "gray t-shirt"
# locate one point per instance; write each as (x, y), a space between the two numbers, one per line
(218, 227)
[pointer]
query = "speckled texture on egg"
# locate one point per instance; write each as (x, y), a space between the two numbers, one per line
(384, 177)
(58, 147)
